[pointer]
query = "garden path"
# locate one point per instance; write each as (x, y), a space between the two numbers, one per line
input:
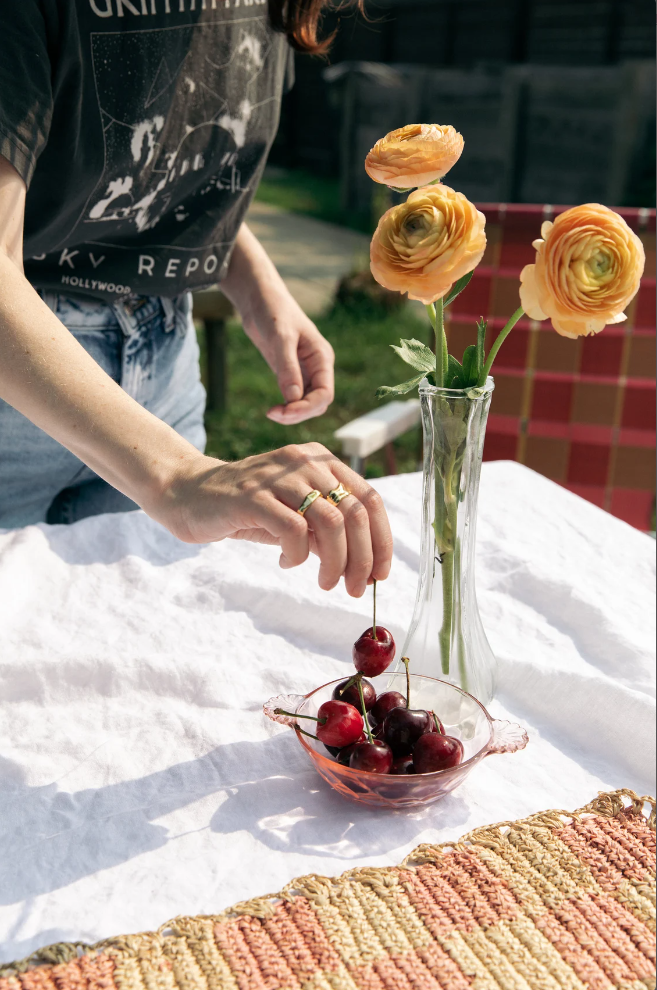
(310, 254)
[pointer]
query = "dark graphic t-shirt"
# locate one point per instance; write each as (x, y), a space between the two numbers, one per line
(141, 128)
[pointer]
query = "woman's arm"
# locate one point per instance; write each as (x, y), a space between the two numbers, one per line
(293, 347)
(48, 377)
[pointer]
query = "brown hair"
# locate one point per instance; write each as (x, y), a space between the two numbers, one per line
(300, 21)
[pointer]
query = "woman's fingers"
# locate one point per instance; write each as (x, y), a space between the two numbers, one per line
(327, 525)
(289, 529)
(360, 556)
(379, 527)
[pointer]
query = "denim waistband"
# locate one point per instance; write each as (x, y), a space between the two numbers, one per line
(128, 315)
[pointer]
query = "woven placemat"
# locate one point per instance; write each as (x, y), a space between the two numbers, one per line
(560, 899)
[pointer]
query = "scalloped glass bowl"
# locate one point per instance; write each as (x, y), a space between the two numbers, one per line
(461, 714)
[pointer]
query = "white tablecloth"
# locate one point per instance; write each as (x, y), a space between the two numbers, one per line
(138, 776)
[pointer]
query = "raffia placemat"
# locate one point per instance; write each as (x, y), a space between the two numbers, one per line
(560, 899)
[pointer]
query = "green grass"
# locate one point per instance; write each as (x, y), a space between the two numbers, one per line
(360, 336)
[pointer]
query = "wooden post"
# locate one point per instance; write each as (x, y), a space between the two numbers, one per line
(215, 350)
(213, 309)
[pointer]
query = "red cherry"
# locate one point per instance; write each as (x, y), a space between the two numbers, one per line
(373, 656)
(436, 752)
(402, 766)
(385, 703)
(402, 727)
(339, 724)
(440, 727)
(342, 755)
(375, 757)
(351, 694)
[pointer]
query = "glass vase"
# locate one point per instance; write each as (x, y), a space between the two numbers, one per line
(446, 638)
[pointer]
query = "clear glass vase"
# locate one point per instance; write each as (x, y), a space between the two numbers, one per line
(446, 638)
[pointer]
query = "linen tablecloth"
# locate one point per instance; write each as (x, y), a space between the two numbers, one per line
(139, 778)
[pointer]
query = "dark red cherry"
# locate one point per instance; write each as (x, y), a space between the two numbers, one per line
(339, 724)
(342, 755)
(375, 757)
(351, 694)
(436, 752)
(384, 704)
(402, 727)
(402, 765)
(373, 656)
(436, 728)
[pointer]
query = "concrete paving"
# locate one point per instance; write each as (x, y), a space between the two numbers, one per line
(311, 255)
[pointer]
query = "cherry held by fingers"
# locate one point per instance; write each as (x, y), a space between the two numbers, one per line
(373, 656)
(375, 757)
(436, 752)
(338, 724)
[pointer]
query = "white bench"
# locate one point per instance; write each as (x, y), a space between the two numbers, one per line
(369, 433)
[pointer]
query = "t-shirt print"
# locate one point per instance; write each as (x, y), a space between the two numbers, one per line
(187, 112)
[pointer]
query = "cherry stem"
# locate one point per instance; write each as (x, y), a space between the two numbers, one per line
(362, 705)
(313, 718)
(350, 682)
(438, 729)
(406, 662)
(304, 733)
(374, 636)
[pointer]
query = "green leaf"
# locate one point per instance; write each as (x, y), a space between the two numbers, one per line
(454, 373)
(399, 389)
(417, 354)
(470, 369)
(457, 288)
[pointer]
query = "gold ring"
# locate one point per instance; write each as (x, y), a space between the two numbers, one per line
(308, 501)
(337, 494)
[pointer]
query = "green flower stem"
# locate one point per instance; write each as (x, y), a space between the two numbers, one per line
(461, 643)
(441, 342)
(503, 334)
(447, 538)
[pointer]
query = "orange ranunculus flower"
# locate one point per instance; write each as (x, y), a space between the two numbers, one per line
(588, 267)
(424, 245)
(414, 155)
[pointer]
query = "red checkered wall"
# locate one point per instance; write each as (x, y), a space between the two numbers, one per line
(581, 412)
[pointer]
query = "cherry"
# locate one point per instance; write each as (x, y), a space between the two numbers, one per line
(402, 765)
(436, 724)
(374, 655)
(402, 727)
(375, 757)
(343, 723)
(351, 694)
(436, 752)
(385, 703)
(342, 755)
(374, 650)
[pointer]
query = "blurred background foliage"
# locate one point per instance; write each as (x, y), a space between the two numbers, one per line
(359, 333)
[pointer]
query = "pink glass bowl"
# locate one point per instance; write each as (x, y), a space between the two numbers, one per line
(461, 714)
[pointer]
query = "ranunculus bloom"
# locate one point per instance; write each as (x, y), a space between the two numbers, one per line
(588, 267)
(423, 246)
(414, 155)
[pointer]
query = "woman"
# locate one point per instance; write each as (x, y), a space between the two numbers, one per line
(133, 134)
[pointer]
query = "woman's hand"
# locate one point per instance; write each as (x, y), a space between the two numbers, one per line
(257, 499)
(290, 343)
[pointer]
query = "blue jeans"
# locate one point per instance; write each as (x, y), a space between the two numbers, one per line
(146, 344)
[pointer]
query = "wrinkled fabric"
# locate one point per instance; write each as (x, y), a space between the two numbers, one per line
(139, 778)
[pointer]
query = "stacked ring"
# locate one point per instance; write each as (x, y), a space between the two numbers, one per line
(337, 494)
(308, 501)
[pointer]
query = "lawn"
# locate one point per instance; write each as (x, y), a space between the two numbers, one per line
(360, 335)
